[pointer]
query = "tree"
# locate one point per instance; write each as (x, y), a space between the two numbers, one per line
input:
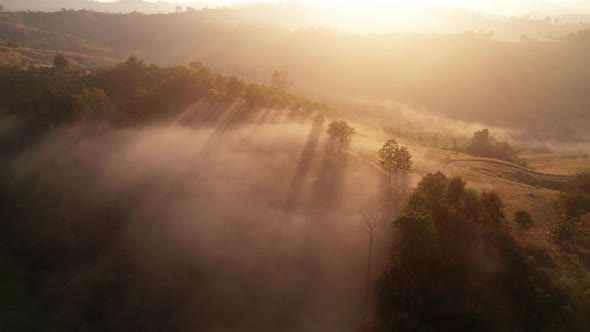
(318, 121)
(61, 62)
(418, 238)
(480, 144)
(443, 274)
(133, 61)
(483, 144)
(370, 220)
(573, 202)
(524, 221)
(341, 132)
(234, 86)
(574, 198)
(394, 160)
(492, 209)
(455, 191)
(564, 231)
(92, 100)
(1, 8)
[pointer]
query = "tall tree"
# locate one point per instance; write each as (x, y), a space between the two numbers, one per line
(395, 160)
(492, 209)
(371, 219)
(341, 132)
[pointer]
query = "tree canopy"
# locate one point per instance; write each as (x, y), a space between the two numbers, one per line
(483, 144)
(454, 269)
(61, 62)
(395, 158)
(341, 131)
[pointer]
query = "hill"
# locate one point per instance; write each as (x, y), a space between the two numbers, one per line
(177, 196)
(469, 77)
(119, 6)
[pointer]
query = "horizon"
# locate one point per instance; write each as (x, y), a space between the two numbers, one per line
(498, 7)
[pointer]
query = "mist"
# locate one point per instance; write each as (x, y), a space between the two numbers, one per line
(237, 204)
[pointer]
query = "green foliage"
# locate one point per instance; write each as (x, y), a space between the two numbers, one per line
(454, 269)
(341, 132)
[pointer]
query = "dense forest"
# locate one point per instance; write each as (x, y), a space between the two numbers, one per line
(458, 268)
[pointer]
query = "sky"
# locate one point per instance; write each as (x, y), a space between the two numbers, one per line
(491, 6)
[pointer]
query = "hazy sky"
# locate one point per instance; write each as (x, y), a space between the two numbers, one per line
(495, 6)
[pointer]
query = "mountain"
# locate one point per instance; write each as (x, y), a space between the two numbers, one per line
(120, 6)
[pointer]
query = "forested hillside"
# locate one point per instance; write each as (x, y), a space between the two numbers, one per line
(528, 86)
(68, 262)
(235, 169)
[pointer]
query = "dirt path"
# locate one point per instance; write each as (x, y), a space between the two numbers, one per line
(505, 164)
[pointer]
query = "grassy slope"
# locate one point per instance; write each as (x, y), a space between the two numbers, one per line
(38, 47)
(24, 56)
(533, 190)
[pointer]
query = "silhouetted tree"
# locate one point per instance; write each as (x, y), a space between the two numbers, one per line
(133, 61)
(418, 240)
(341, 132)
(483, 144)
(480, 144)
(455, 191)
(394, 160)
(492, 209)
(370, 221)
(524, 221)
(61, 62)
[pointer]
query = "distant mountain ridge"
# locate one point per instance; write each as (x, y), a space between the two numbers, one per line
(120, 6)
